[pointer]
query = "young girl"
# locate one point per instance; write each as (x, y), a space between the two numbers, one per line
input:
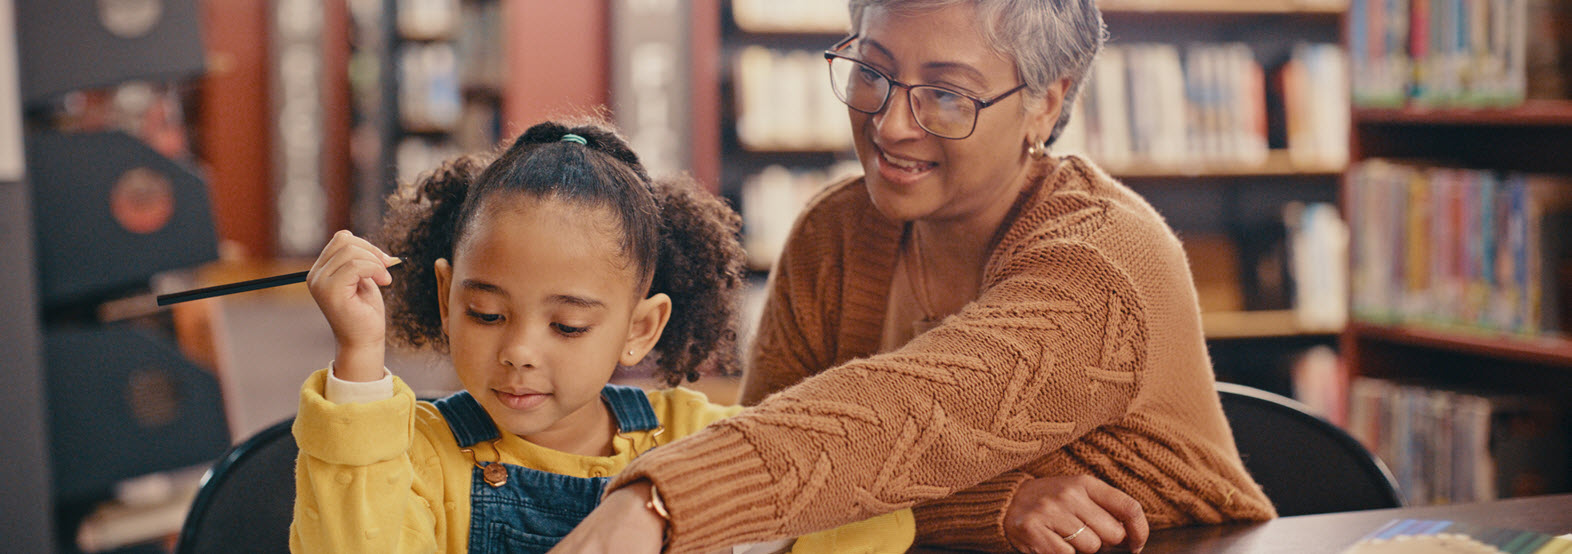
(539, 272)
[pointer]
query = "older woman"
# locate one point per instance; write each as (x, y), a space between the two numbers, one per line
(1004, 339)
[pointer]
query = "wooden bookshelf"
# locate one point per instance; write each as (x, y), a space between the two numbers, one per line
(793, 150)
(721, 389)
(1533, 113)
(1528, 138)
(1257, 324)
(1277, 164)
(1551, 351)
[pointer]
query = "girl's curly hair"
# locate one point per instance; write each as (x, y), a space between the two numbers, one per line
(682, 241)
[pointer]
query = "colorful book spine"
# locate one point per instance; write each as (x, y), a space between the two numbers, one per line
(1460, 249)
(1447, 445)
(1440, 53)
(1425, 535)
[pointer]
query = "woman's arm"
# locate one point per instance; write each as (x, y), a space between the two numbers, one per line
(1052, 349)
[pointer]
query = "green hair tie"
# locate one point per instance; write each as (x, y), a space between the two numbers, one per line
(570, 137)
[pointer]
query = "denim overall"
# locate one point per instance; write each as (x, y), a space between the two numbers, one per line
(534, 509)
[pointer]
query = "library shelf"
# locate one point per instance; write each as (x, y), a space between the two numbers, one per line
(1257, 324)
(721, 389)
(788, 30)
(1548, 351)
(1277, 164)
(1532, 113)
(794, 150)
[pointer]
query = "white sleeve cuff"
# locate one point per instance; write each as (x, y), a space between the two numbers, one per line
(772, 547)
(339, 391)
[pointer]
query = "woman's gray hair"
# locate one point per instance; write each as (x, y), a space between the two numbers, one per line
(1049, 39)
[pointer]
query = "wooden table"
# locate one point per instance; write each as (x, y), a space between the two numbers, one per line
(1333, 533)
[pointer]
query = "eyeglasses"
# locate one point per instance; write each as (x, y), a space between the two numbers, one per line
(942, 112)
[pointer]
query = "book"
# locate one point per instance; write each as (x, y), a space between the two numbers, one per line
(1460, 249)
(1416, 536)
(1448, 445)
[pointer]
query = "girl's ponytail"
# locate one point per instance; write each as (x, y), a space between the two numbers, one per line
(420, 227)
(701, 268)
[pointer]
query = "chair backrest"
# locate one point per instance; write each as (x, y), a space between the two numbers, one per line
(1305, 464)
(247, 500)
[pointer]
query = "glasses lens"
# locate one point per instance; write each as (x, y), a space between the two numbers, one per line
(858, 85)
(942, 112)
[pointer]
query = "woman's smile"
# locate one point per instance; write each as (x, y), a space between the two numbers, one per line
(901, 170)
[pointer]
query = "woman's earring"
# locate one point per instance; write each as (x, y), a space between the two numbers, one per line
(1037, 149)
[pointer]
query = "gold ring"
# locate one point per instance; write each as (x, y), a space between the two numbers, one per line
(1077, 533)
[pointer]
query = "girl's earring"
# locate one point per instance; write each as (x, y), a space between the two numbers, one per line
(1037, 149)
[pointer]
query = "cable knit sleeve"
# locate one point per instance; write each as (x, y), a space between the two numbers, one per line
(972, 519)
(1052, 348)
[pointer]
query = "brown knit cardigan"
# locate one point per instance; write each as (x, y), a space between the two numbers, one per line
(1082, 354)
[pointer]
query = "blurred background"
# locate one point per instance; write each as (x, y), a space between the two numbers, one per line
(1371, 194)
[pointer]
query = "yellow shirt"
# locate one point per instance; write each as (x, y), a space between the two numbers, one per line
(388, 476)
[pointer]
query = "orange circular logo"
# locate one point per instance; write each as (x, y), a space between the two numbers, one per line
(142, 201)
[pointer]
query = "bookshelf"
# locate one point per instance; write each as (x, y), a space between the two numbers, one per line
(1227, 202)
(1551, 352)
(1261, 324)
(1276, 164)
(426, 83)
(1467, 302)
(1539, 112)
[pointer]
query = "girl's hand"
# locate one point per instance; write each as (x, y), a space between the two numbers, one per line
(344, 283)
(1046, 510)
(622, 523)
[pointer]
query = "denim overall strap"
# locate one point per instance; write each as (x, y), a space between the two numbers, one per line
(631, 407)
(470, 423)
(535, 509)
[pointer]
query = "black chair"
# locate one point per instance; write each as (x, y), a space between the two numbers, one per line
(247, 500)
(1305, 464)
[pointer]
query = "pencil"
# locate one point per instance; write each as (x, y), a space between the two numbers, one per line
(242, 286)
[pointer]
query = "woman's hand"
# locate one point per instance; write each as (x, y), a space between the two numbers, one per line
(1073, 513)
(344, 282)
(622, 523)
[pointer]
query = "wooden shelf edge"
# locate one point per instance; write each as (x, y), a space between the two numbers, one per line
(1530, 113)
(1277, 164)
(1254, 324)
(1543, 350)
(1222, 7)
(791, 150)
(790, 30)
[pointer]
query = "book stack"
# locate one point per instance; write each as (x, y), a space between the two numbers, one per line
(451, 70)
(1455, 446)
(799, 16)
(1458, 248)
(785, 102)
(1439, 53)
(771, 200)
(429, 97)
(1153, 105)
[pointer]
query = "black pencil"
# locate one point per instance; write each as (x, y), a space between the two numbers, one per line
(232, 288)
